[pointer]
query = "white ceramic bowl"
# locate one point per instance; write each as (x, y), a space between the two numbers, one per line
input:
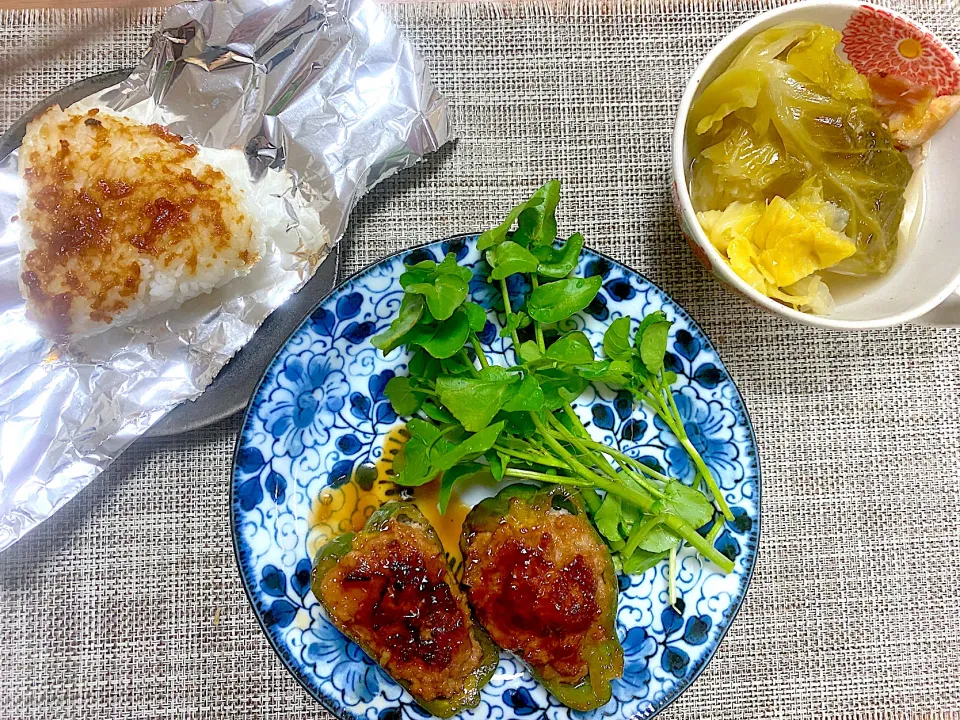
(923, 278)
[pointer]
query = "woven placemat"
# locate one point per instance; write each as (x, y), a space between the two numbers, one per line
(127, 604)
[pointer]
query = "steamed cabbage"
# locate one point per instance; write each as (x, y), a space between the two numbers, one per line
(744, 166)
(789, 112)
(779, 247)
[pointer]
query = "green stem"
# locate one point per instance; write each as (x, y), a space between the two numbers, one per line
(641, 499)
(536, 444)
(581, 432)
(575, 419)
(582, 445)
(654, 399)
(598, 460)
(639, 533)
(715, 531)
(668, 412)
(466, 358)
(672, 576)
(481, 356)
(678, 526)
(624, 459)
(543, 477)
(674, 411)
(509, 311)
(575, 465)
(537, 327)
(694, 540)
(708, 477)
(590, 496)
(531, 457)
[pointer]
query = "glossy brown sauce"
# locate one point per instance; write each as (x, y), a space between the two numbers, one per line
(346, 507)
(394, 594)
(535, 584)
(408, 604)
(540, 596)
(533, 606)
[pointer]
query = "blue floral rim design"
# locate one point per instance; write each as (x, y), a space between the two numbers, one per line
(519, 702)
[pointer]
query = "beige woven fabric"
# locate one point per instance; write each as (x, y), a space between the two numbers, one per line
(127, 604)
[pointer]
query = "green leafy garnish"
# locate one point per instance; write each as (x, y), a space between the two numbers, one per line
(443, 295)
(560, 262)
(470, 416)
(451, 477)
(473, 446)
(572, 349)
(616, 340)
(508, 258)
(447, 339)
(403, 396)
(559, 300)
(607, 518)
(474, 401)
(527, 397)
(535, 218)
(476, 316)
(411, 309)
(652, 341)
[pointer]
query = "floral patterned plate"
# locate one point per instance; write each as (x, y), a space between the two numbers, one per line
(320, 411)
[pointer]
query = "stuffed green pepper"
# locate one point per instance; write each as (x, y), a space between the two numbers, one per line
(389, 589)
(542, 583)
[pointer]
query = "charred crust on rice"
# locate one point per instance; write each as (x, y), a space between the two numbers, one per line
(107, 197)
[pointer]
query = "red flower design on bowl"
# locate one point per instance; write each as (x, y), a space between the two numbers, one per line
(879, 43)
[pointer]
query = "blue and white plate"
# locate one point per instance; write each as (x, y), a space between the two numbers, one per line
(320, 411)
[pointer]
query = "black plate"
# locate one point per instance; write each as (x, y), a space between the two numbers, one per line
(231, 389)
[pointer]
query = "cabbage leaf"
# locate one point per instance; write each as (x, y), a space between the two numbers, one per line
(787, 111)
(779, 247)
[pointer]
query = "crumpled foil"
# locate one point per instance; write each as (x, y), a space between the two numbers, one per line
(326, 99)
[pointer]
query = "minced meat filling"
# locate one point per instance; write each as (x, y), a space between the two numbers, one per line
(535, 583)
(394, 592)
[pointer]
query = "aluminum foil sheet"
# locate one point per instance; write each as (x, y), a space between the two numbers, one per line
(324, 99)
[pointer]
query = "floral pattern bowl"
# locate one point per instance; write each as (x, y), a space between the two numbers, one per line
(320, 411)
(923, 285)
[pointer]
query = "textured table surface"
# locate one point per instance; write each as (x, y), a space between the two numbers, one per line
(128, 603)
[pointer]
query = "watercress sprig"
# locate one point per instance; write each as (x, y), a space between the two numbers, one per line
(470, 415)
(650, 383)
